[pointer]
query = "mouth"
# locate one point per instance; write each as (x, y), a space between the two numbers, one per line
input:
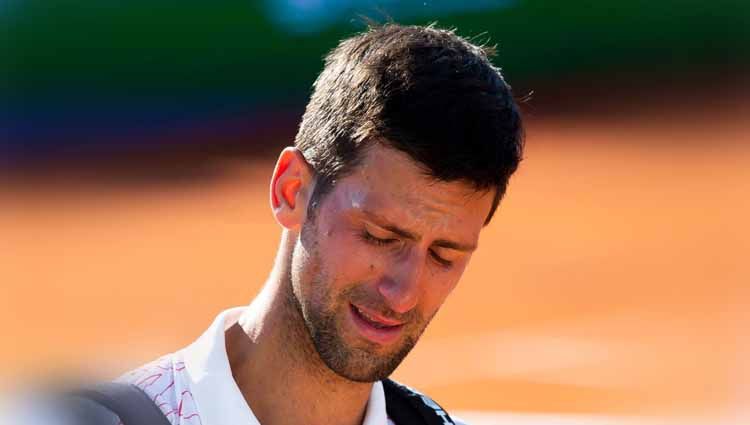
(375, 327)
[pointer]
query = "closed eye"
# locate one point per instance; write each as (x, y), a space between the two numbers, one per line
(369, 238)
(440, 260)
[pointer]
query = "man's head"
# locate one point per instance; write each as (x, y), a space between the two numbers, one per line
(423, 91)
(403, 154)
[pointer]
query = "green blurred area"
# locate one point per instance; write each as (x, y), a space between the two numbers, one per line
(231, 46)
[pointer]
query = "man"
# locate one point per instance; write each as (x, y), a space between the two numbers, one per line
(404, 151)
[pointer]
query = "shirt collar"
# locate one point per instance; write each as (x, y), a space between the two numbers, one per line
(216, 393)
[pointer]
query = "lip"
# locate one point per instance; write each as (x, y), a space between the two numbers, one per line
(377, 317)
(382, 336)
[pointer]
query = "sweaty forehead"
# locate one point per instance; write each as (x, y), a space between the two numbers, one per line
(390, 183)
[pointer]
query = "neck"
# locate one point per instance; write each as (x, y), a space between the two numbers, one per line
(276, 366)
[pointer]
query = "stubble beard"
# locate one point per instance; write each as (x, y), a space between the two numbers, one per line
(324, 317)
(362, 362)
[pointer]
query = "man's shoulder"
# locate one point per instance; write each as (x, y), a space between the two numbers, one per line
(156, 372)
(405, 398)
(166, 382)
(160, 379)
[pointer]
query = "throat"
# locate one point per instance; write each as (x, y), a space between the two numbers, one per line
(284, 381)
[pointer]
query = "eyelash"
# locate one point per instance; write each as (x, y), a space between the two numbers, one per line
(376, 241)
(440, 260)
(367, 237)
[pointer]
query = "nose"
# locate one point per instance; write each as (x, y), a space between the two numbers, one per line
(401, 286)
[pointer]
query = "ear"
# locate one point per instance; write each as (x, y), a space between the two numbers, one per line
(291, 186)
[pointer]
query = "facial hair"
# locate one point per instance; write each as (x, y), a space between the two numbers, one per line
(361, 362)
(324, 316)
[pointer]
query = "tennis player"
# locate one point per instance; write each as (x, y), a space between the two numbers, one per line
(403, 154)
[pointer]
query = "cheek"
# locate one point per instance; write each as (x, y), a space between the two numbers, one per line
(347, 258)
(437, 288)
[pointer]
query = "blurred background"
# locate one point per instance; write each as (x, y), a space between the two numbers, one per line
(137, 140)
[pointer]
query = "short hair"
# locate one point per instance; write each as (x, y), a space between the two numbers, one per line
(421, 90)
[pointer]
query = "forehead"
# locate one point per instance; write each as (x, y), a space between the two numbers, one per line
(389, 183)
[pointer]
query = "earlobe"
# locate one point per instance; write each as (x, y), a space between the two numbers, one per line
(289, 188)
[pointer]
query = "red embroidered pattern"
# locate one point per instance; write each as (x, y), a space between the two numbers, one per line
(164, 380)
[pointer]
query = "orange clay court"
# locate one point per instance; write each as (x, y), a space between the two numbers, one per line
(614, 279)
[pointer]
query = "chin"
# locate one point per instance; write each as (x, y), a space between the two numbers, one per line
(368, 364)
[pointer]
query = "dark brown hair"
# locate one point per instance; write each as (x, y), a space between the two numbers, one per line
(422, 90)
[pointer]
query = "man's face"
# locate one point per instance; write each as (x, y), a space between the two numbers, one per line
(386, 247)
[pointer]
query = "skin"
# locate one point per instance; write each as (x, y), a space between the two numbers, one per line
(386, 239)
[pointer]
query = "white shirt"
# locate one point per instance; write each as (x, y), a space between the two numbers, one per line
(195, 386)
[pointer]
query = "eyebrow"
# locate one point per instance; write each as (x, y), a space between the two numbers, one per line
(443, 243)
